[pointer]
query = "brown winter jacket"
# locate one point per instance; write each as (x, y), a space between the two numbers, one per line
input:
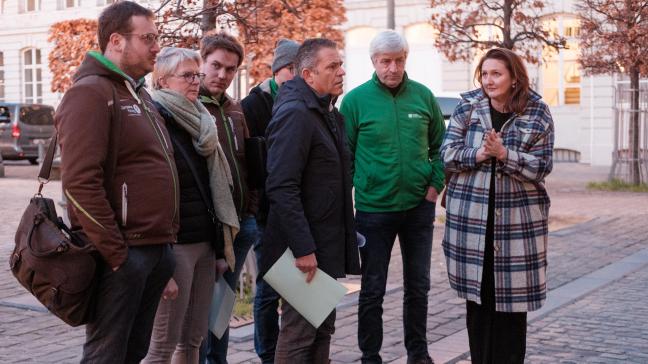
(136, 203)
(232, 135)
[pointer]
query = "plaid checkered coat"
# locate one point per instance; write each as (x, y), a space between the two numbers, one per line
(521, 203)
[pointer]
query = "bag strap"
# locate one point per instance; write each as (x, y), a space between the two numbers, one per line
(46, 166)
(208, 203)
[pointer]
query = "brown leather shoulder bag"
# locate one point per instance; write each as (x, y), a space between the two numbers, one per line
(58, 266)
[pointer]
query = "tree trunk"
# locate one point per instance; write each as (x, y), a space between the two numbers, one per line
(634, 130)
(507, 41)
(208, 20)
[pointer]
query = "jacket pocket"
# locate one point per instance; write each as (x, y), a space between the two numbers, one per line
(124, 204)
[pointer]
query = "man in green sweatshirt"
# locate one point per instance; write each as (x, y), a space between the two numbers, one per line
(395, 128)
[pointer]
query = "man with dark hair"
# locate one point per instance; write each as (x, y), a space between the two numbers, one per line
(257, 107)
(222, 54)
(309, 189)
(120, 182)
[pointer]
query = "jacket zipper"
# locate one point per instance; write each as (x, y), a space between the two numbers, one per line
(78, 206)
(229, 143)
(124, 214)
(163, 143)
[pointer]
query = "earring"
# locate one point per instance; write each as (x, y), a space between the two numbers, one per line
(513, 86)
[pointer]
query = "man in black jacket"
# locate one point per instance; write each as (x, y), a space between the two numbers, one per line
(257, 107)
(309, 189)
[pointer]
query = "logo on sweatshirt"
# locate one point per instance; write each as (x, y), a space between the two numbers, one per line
(415, 116)
(132, 110)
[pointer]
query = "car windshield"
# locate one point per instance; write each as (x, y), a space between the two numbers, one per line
(448, 104)
(37, 115)
(5, 115)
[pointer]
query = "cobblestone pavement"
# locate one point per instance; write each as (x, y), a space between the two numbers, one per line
(590, 231)
(608, 326)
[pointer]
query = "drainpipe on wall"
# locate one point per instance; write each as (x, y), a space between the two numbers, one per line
(591, 110)
(391, 18)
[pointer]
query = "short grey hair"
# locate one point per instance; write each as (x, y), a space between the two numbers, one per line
(387, 41)
(168, 61)
(307, 54)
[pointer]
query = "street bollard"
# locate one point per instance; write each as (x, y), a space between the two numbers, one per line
(2, 172)
(41, 151)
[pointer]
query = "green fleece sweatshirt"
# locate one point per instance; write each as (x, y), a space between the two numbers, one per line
(394, 141)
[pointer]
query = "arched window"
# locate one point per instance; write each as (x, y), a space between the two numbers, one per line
(560, 73)
(424, 63)
(356, 56)
(26, 6)
(32, 75)
(65, 4)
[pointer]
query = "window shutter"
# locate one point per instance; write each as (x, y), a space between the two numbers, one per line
(21, 6)
(60, 4)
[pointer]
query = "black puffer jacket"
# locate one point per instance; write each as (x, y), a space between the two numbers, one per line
(309, 183)
(196, 223)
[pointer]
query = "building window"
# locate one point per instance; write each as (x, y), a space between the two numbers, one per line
(560, 74)
(33, 76)
(2, 79)
(105, 2)
(65, 4)
(26, 6)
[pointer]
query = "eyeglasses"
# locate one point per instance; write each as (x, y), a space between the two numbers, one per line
(148, 38)
(190, 77)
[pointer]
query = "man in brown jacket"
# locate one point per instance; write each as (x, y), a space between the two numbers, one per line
(222, 54)
(120, 181)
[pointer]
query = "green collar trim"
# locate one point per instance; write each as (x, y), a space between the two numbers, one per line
(211, 100)
(113, 67)
(274, 88)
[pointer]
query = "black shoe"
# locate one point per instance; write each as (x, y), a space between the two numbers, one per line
(420, 360)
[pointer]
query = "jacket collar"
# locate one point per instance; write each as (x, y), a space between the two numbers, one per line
(477, 95)
(403, 84)
(311, 98)
(207, 98)
(111, 66)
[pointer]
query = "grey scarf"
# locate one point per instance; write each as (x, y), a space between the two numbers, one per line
(200, 124)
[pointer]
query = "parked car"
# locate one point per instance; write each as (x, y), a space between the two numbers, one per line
(448, 102)
(23, 127)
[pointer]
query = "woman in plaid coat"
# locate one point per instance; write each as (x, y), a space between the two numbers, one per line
(497, 151)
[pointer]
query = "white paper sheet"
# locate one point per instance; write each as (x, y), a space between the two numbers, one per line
(314, 300)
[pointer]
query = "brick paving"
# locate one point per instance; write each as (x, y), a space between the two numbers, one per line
(608, 226)
(608, 326)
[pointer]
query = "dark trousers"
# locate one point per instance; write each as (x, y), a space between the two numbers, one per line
(414, 230)
(266, 317)
(214, 350)
(126, 304)
(494, 337)
(300, 342)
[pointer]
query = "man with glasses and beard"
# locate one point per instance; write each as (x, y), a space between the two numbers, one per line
(120, 181)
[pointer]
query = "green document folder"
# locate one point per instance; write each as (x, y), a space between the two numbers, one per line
(221, 308)
(314, 300)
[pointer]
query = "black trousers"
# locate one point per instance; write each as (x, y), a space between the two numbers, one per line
(494, 337)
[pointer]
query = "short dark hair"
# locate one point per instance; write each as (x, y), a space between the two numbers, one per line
(307, 53)
(221, 40)
(117, 19)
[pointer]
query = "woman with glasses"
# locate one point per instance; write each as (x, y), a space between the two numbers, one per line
(204, 183)
(498, 149)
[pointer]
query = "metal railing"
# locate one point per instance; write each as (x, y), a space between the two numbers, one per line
(629, 164)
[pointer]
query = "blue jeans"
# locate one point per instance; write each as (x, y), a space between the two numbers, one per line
(213, 350)
(127, 300)
(266, 317)
(414, 230)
